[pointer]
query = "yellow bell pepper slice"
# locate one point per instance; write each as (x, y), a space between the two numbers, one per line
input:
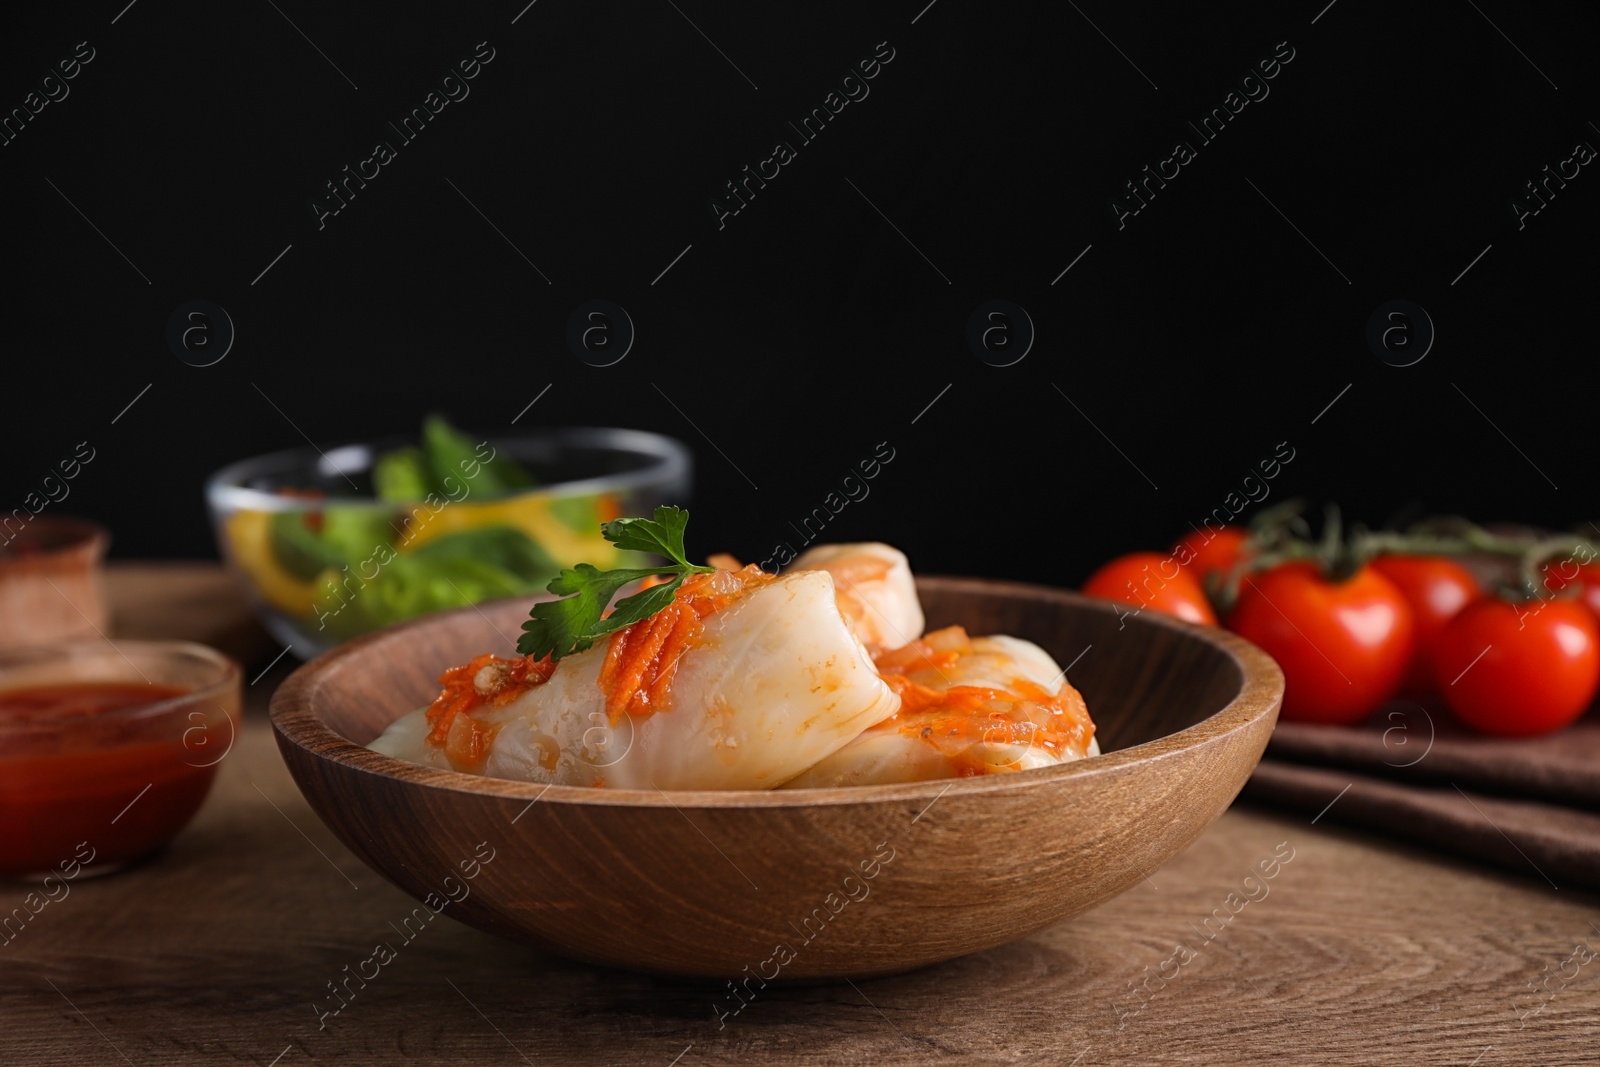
(528, 512)
(251, 545)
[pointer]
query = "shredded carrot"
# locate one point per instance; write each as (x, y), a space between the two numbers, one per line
(957, 719)
(681, 638)
(966, 716)
(636, 676)
(642, 659)
(460, 694)
(966, 699)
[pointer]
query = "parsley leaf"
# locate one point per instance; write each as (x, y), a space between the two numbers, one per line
(558, 628)
(662, 535)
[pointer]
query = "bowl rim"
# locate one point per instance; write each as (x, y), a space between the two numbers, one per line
(668, 461)
(1260, 696)
(230, 674)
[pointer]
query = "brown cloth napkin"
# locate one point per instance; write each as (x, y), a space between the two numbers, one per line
(1530, 805)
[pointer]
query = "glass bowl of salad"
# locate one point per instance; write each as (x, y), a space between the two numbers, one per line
(332, 544)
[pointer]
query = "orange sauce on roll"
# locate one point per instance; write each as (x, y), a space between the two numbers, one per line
(636, 677)
(642, 659)
(955, 719)
(484, 681)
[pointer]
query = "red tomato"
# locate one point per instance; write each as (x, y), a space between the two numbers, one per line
(1558, 574)
(1343, 646)
(1151, 580)
(1519, 669)
(1205, 551)
(1436, 588)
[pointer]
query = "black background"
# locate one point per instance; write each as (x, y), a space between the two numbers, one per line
(808, 329)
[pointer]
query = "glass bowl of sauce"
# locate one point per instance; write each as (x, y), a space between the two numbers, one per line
(107, 751)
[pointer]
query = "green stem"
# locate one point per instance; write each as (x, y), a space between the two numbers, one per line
(1468, 539)
(1279, 535)
(1540, 552)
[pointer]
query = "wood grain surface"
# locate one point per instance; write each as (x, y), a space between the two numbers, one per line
(190, 600)
(1361, 952)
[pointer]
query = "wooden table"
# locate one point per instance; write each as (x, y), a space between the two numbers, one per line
(1362, 952)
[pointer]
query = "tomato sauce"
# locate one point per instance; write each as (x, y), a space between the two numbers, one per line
(77, 772)
(81, 698)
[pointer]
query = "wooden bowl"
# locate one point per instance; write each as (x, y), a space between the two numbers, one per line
(800, 884)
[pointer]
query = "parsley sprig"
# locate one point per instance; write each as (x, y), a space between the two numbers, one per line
(558, 628)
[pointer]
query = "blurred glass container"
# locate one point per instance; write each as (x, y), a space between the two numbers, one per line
(323, 560)
(107, 751)
(51, 587)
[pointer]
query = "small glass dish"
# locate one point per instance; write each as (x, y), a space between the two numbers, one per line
(107, 751)
(322, 559)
